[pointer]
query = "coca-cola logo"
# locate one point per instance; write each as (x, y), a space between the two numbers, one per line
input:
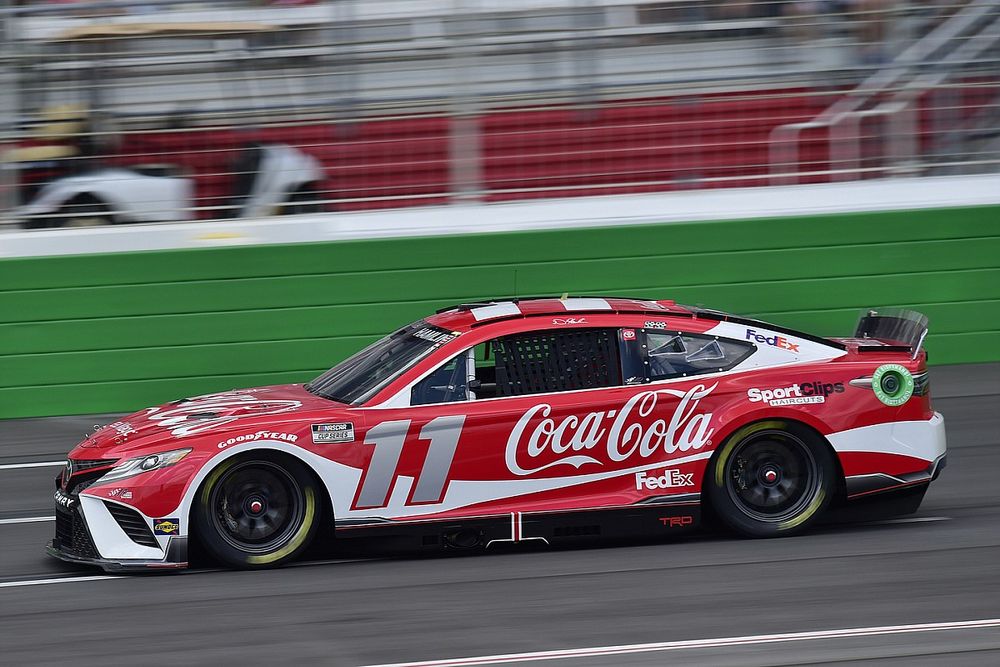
(638, 429)
(212, 411)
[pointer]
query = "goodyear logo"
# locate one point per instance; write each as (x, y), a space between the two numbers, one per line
(167, 526)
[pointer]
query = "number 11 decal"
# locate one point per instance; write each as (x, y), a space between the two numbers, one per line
(388, 439)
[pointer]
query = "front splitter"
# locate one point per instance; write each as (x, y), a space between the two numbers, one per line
(175, 559)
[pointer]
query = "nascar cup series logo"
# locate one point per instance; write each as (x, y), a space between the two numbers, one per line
(636, 430)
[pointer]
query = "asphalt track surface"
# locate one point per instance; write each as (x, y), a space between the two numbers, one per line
(941, 565)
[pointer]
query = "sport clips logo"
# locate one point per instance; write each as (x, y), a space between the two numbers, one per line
(796, 394)
(773, 341)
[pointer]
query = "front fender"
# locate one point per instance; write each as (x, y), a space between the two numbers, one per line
(53, 196)
(133, 196)
(170, 492)
(339, 481)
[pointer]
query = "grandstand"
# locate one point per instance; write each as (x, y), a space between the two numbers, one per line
(417, 103)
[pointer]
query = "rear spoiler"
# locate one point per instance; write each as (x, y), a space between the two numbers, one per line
(892, 329)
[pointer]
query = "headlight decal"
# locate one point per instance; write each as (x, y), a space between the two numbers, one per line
(141, 464)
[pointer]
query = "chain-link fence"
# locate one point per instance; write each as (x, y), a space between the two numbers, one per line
(129, 111)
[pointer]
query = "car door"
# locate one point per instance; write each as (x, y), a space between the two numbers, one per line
(473, 440)
(548, 421)
(643, 439)
(532, 436)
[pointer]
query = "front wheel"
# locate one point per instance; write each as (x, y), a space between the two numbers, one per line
(771, 478)
(257, 512)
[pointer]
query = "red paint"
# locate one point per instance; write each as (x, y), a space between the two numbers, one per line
(688, 418)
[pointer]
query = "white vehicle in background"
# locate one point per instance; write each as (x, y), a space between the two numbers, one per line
(76, 188)
(272, 179)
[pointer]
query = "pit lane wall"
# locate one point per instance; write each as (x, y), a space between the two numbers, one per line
(116, 331)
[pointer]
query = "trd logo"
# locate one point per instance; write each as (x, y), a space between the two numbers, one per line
(773, 341)
(669, 479)
(677, 521)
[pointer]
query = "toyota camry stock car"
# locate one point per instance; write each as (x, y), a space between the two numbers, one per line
(533, 419)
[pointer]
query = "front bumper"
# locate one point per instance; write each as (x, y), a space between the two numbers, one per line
(87, 534)
(176, 559)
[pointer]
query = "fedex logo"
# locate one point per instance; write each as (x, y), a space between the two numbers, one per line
(774, 341)
(669, 479)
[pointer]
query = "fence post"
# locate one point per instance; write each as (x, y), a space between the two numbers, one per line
(464, 141)
(10, 107)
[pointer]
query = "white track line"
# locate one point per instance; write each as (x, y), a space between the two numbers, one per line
(27, 519)
(42, 464)
(699, 644)
(63, 580)
(913, 519)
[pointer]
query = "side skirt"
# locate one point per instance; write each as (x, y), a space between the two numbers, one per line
(860, 486)
(897, 501)
(640, 520)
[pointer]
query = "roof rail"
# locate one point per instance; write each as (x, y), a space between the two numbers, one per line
(516, 299)
(469, 305)
(720, 316)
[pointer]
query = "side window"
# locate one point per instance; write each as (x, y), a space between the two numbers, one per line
(447, 384)
(533, 363)
(677, 354)
(484, 384)
(556, 360)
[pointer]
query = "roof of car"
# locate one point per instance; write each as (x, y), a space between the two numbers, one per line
(468, 315)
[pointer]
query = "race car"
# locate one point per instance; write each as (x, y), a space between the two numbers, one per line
(533, 420)
(274, 179)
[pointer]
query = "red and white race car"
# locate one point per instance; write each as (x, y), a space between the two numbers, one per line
(532, 419)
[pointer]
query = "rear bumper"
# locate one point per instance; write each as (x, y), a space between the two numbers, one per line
(925, 439)
(891, 456)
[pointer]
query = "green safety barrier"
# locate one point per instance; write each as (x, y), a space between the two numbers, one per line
(116, 332)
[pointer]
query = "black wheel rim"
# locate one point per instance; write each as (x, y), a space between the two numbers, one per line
(772, 476)
(257, 506)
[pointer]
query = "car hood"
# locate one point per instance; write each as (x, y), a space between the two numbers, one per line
(179, 422)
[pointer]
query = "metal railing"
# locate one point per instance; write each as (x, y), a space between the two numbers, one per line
(960, 45)
(240, 108)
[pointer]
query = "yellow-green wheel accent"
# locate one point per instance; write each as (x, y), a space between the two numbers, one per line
(771, 478)
(257, 510)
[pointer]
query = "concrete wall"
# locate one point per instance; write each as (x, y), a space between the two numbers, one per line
(113, 332)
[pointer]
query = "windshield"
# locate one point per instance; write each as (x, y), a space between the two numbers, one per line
(358, 378)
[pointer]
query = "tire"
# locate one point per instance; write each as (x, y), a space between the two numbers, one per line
(84, 210)
(772, 478)
(257, 511)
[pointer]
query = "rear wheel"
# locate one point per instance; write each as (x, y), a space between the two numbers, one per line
(771, 478)
(257, 512)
